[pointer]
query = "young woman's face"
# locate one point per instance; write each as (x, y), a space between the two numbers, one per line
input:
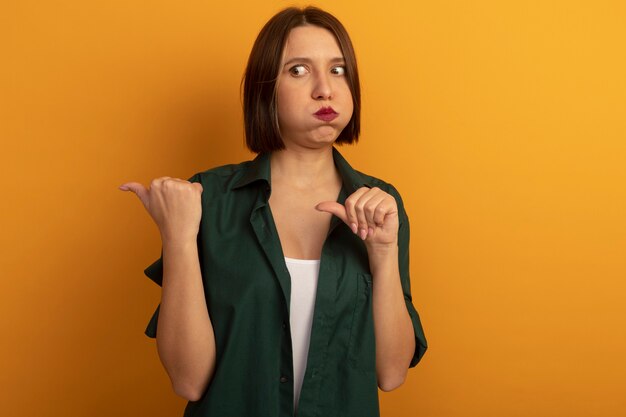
(312, 78)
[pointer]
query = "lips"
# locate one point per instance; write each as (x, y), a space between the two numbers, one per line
(326, 114)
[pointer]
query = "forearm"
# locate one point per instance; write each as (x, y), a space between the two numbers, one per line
(395, 340)
(185, 339)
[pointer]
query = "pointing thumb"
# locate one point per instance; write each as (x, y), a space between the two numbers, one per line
(138, 189)
(334, 208)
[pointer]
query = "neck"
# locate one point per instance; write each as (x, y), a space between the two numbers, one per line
(303, 168)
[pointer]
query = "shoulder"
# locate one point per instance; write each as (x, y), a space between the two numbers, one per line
(222, 178)
(223, 171)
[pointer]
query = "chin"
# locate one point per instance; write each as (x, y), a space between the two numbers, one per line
(327, 140)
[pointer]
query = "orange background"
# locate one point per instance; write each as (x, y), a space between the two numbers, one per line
(501, 123)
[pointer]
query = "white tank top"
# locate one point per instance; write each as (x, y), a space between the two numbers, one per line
(304, 273)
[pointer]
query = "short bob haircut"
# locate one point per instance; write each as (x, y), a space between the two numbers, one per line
(259, 83)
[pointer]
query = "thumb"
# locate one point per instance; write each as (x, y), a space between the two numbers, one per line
(335, 208)
(138, 189)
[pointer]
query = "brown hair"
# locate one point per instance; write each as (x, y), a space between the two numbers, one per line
(259, 83)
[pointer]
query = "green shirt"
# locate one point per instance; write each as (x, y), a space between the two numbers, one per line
(247, 288)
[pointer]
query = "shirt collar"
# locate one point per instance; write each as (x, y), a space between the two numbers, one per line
(259, 170)
(255, 170)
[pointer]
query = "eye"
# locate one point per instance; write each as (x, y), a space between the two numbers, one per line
(297, 70)
(339, 70)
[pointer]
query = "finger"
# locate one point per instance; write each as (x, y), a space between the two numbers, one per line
(159, 180)
(195, 185)
(350, 203)
(198, 186)
(372, 207)
(334, 208)
(360, 212)
(382, 210)
(138, 189)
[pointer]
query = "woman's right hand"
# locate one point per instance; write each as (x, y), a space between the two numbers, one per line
(174, 204)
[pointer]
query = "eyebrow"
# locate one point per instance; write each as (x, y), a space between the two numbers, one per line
(309, 60)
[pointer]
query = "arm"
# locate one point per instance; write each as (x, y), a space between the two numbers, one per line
(185, 339)
(395, 339)
(374, 216)
(184, 333)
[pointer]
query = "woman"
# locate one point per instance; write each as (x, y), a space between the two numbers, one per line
(286, 278)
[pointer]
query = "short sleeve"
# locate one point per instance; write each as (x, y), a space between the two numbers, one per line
(403, 260)
(155, 272)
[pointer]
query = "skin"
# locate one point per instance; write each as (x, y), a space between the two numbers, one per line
(185, 338)
(311, 77)
(305, 185)
(304, 86)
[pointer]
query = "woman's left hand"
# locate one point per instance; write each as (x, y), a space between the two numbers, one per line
(369, 212)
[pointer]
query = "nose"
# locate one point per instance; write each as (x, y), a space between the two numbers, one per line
(322, 89)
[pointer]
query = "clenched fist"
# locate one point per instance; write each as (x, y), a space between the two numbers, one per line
(174, 204)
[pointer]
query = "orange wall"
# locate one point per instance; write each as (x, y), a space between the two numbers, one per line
(501, 123)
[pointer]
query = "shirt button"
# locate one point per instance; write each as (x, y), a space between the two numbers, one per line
(284, 379)
(284, 325)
